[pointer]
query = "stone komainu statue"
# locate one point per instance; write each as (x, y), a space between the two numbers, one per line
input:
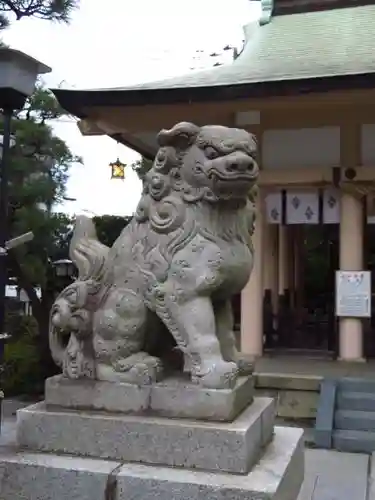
(174, 268)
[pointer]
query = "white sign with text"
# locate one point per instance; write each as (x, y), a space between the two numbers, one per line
(353, 294)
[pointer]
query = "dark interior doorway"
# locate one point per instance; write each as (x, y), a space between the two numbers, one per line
(306, 316)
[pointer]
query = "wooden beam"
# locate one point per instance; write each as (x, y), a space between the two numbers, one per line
(359, 189)
(295, 177)
(89, 128)
(315, 177)
(362, 174)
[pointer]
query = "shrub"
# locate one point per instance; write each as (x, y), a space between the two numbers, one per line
(22, 372)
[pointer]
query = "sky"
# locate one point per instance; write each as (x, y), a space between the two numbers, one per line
(115, 43)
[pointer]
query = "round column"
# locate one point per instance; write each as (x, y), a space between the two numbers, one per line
(351, 259)
(252, 294)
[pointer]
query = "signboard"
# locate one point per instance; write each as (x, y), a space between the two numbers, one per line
(353, 294)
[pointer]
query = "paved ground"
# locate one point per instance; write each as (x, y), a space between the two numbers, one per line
(329, 475)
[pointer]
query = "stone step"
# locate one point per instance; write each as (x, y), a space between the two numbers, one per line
(349, 384)
(355, 420)
(354, 441)
(360, 401)
(28, 476)
(213, 446)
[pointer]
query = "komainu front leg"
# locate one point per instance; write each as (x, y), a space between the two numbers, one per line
(224, 329)
(193, 321)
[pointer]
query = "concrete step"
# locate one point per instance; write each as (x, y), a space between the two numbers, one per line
(354, 441)
(348, 384)
(360, 401)
(355, 420)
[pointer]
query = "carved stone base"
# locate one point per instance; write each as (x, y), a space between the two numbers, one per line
(277, 476)
(230, 447)
(174, 397)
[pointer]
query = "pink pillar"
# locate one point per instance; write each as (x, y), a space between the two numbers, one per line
(252, 294)
(351, 259)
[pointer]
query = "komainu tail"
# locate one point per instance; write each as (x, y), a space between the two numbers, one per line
(86, 251)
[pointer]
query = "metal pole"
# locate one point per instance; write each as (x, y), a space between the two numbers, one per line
(7, 118)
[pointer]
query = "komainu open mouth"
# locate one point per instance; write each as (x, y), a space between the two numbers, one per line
(236, 184)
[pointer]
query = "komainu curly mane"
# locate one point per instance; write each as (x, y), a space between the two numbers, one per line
(170, 211)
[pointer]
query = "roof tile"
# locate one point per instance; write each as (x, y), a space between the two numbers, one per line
(293, 47)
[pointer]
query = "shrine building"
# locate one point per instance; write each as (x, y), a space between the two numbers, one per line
(304, 84)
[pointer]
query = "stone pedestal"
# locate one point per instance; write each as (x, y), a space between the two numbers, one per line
(174, 397)
(67, 452)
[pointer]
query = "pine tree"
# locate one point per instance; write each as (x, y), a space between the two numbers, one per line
(49, 10)
(38, 173)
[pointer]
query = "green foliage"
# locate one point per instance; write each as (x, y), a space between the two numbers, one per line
(42, 105)
(50, 242)
(19, 325)
(109, 227)
(38, 172)
(40, 159)
(22, 368)
(60, 235)
(49, 10)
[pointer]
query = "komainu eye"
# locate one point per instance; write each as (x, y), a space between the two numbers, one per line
(211, 153)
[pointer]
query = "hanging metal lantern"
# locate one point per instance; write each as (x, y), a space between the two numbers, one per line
(117, 169)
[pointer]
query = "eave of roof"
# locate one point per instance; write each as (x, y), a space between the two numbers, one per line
(77, 102)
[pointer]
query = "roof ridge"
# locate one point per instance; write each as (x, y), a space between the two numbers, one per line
(267, 7)
(290, 7)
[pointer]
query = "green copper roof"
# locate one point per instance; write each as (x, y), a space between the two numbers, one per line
(293, 47)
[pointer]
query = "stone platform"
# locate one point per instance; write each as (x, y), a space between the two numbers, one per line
(277, 476)
(106, 441)
(212, 446)
(173, 397)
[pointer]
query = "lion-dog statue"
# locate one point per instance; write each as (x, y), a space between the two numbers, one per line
(175, 267)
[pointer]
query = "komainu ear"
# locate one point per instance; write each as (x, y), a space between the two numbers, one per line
(181, 136)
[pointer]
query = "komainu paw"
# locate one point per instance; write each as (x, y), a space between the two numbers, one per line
(220, 375)
(140, 368)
